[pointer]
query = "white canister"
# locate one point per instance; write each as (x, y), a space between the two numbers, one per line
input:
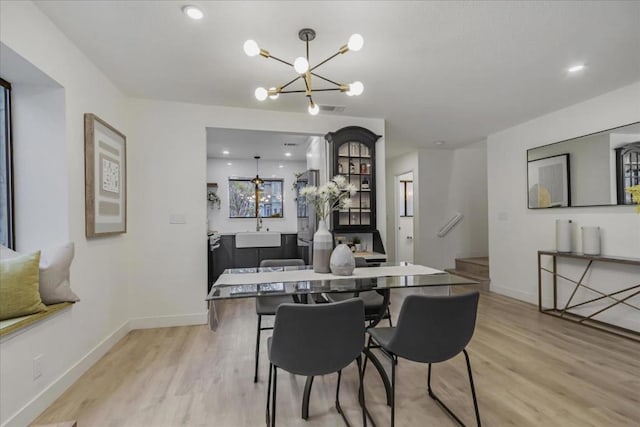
(563, 235)
(591, 240)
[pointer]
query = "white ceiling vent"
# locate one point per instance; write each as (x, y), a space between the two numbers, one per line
(291, 144)
(332, 108)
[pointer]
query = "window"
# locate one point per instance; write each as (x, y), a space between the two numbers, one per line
(406, 198)
(242, 197)
(6, 173)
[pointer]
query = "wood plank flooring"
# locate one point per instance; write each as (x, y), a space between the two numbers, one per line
(529, 369)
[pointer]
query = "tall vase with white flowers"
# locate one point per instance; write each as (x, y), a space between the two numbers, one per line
(335, 194)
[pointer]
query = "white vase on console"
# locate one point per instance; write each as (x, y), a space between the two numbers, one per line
(322, 247)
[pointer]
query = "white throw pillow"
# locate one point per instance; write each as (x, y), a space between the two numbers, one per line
(6, 253)
(54, 273)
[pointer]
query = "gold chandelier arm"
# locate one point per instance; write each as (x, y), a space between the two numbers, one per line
(333, 89)
(326, 79)
(292, 81)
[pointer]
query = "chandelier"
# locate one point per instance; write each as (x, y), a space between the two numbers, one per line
(305, 70)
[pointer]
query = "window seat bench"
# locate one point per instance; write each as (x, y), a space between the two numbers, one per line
(9, 326)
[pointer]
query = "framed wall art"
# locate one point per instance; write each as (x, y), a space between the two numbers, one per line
(105, 166)
(548, 182)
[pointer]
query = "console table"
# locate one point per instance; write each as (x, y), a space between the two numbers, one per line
(588, 320)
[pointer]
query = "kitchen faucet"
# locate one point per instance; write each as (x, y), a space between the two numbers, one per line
(258, 223)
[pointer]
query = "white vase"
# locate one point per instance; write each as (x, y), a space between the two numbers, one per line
(591, 240)
(342, 262)
(322, 247)
(563, 235)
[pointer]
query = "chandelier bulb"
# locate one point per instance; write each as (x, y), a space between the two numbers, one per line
(355, 42)
(314, 109)
(251, 48)
(355, 89)
(261, 94)
(301, 65)
(273, 93)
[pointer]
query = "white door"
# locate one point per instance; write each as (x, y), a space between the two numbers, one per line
(404, 217)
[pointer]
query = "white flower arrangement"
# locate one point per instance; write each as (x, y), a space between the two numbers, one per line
(335, 194)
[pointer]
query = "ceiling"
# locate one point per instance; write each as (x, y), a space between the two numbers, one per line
(245, 144)
(435, 71)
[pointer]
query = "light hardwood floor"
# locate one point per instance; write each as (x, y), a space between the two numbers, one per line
(530, 369)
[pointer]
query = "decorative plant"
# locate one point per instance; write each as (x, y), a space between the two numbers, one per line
(635, 195)
(213, 199)
(356, 240)
(335, 194)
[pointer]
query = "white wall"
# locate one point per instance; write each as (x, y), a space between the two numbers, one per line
(517, 233)
(168, 262)
(74, 339)
(219, 172)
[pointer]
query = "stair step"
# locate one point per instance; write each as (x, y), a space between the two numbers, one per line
(475, 266)
(483, 280)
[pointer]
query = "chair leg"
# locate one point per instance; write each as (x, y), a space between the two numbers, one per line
(273, 401)
(255, 374)
(338, 408)
(361, 390)
(268, 420)
(445, 407)
(389, 314)
(473, 389)
(393, 391)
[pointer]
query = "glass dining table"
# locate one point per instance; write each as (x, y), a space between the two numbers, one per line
(303, 282)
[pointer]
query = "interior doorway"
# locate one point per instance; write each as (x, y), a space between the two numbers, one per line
(404, 217)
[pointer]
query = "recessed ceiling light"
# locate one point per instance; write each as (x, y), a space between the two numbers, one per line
(309, 155)
(280, 166)
(225, 151)
(193, 12)
(229, 164)
(439, 142)
(287, 154)
(576, 68)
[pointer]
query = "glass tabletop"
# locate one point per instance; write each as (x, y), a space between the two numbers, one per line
(266, 286)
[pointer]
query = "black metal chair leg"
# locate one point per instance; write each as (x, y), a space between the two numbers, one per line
(440, 402)
(473, 389)
(361, 390)
(305, 397)
(273, 402)
(255, 375)
(393, 392)
(269, 396)
(338, 407)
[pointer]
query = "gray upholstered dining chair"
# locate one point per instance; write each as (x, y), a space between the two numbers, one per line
(267, 305)
(313, 340)
(430, 329)
(373, 301)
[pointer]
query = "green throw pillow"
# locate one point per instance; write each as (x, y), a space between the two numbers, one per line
(19, 286)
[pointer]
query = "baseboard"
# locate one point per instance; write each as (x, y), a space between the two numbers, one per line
(515, 293)
(25, 415)
(168, 321)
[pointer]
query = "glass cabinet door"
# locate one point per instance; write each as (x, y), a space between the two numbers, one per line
(354, 158)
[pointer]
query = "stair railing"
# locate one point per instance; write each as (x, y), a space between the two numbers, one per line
(455, 219)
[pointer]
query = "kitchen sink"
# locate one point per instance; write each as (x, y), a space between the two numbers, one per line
(258, 239)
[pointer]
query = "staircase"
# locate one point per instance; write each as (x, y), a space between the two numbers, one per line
(473, 268)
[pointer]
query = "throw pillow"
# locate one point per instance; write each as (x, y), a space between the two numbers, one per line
(54, 275)
(6, 253)
(19, 293)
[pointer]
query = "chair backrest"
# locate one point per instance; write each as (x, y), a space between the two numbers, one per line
(317, 339)
(361, 262)
(433, 329)
(293, 262)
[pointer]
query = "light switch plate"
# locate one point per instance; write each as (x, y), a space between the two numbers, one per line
(177, 219)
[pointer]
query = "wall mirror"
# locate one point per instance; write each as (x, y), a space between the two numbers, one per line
(590, 170)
